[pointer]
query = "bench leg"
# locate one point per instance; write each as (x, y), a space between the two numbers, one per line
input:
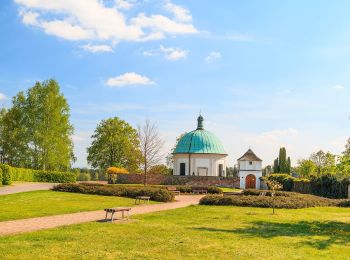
(106, 215)
(122, 214)
(112, 216)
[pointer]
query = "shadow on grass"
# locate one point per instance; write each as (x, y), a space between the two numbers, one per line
(328, 233)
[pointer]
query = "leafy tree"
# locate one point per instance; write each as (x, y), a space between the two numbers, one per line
(306, 168)
(232, 171)
(325, 162)
(115, 143)
(36, 132)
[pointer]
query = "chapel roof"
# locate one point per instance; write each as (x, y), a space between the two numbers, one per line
(249, 156)
(199, 141)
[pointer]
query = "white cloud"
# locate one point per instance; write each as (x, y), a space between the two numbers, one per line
(339, 87)
(124, 4)
(173, 53)
(2, 97)
(214, 55)
(97, 48)
(96, 21)
(180, 13)
(127, 79)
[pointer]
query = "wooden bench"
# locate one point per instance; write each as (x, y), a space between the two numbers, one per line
(199, 190)
(114, 210)
(145, 199)
(263, 193)
(173, 190)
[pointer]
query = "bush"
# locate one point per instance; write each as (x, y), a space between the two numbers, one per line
(54, 176)
(82, 176)
(302, 186)
(0, 176)
(6, 174)
(293, 201)
(156, 194)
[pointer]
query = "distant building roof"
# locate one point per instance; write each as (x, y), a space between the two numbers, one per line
(199, 141)
(249, 156)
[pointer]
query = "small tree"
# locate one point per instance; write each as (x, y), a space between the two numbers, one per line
(151, 145)
(274, 186)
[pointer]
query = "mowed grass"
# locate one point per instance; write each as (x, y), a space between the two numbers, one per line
(46, 203)
(196, 232)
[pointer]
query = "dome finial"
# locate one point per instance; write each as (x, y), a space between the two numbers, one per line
(200, 120)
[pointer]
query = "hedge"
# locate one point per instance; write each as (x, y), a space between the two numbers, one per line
(156, 194)
(10, 174)
(326, 186)
(291, 201)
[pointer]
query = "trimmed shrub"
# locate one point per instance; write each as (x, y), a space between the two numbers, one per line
(301, 186)
(156, 194)
(6, 174)
(294, 201)
(53, 176)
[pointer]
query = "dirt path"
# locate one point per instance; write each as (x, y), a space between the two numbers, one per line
(23, 187)
(32, 224)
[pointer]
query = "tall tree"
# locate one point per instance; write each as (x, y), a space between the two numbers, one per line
(115, 143)
(36, 129)
(151, 145)
(325, 162)
(276, 166)
(283, 160)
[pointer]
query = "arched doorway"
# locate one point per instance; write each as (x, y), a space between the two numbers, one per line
(250, 182)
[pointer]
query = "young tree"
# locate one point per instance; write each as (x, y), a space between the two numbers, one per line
(274, 186)
(115, 143)
(151, 145)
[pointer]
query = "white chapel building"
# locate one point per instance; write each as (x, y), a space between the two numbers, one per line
(200, 153)
(250, 170)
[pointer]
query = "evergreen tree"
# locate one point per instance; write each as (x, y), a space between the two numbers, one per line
(282, 160)
(276, 167)
(288, 165)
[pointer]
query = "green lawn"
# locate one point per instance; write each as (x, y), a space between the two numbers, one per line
(230, 189)
(45, 203)
(196, 232)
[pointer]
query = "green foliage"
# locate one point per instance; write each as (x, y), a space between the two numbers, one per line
(285, 179)
(0, 176)
(160, 169)
(329, 186)
(22, 174)
(6, 174)
(35, 131)
(325, 162)
(282, 164)
(54, 176)
(115, 143)
(289, 201)
(306, 168)
(82, 176)
(156, 194)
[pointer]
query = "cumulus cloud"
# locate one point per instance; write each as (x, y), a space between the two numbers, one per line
(180, 13)
(173, 53)
(97, 48)
(214, 55)
(94, 20)
(2, 97)
(128, 79)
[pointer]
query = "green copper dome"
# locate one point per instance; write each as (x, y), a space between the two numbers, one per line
(199, 141)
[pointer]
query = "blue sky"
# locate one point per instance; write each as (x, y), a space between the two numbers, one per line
(264, 73)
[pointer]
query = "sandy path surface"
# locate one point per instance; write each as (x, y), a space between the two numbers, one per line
(32, 224)
(23, 187)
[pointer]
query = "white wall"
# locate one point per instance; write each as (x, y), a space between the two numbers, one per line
(210, 161)
(244, 165)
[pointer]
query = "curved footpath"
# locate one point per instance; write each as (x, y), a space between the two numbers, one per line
(24, 187)
(33, 224)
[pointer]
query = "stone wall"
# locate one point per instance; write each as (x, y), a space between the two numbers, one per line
(159, 179)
